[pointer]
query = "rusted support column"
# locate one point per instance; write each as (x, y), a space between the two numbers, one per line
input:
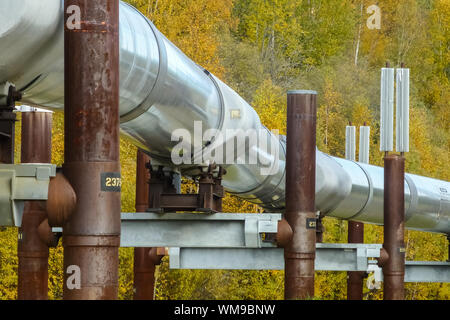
(144, 268)
(300, 194)
(91, 236)
(32, 251)
(394, 227)
(355, 279)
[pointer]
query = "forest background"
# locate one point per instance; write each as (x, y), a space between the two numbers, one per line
(262, 48)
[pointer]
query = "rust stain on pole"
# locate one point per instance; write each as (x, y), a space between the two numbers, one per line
(144, 267)
(91, 236)
(394, 227)
(300, 194)
(32, 251)
(355, 280)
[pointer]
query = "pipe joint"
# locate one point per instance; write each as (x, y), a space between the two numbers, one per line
(61, 201)
(384, 257)
(284, 234)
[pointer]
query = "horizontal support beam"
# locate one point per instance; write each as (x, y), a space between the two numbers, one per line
(427, 271)
(197, 230)
(329, 257)
(234, 241)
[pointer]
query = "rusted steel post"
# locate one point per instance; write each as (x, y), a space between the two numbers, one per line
(355, 279)
(144, 268)
(91, 236)
(32, 251)
(394, 227)
(300, 194)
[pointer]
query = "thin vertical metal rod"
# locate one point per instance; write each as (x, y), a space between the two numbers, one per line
(91, 236)
(394, 227)
(144, 267)
(300, 194)
(32, 251)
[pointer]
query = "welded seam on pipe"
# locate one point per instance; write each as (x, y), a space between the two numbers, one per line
(370, 196)
(413, 198)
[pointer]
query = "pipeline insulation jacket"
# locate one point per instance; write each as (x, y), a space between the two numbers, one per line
(162, 90)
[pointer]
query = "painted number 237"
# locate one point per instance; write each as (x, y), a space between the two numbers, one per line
(113, 182)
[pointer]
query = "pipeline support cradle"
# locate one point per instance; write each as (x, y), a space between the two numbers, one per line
(208, 199)
(237, 241)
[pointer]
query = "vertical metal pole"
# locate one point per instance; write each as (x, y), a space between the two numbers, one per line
(394, 227)
(32, 251)
(355, 279)
(144, 267)
(91, 236)
(300, 194)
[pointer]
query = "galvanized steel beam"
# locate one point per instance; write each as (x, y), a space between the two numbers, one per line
(220, 230)
(329, 257)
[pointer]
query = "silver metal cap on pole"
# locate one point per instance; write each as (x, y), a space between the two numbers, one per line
(402, 119)
(350, 143)
(387, 110)
(364, 144)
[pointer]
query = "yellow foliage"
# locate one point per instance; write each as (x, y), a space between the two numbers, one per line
(192, 25)
(293, 38)
(331, 121)
(270, 103)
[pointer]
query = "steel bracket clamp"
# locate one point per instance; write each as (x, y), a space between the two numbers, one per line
(5, 93)
(20, 183)
(9, 95)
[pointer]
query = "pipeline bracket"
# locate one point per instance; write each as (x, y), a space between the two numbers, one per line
(8, 97)
(207, 200)
(20, 183)
(235, 241)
